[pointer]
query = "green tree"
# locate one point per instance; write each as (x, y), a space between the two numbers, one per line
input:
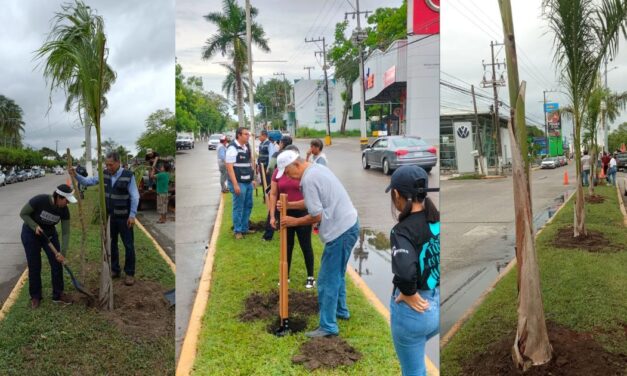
(75, 57)
(344, 56)
(47, 152)
(11, 122)
(230, 40)
(585, 32)
(160, 133)
(271, 94)
(617, 137)
(386, 26)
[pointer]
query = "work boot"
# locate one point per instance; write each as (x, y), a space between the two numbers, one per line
(62, 299)
(239, 236)
(129, 280)
(320, 333)
(34, 303)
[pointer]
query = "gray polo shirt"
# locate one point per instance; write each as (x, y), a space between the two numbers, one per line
(324, 193)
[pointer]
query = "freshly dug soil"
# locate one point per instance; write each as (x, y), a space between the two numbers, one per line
(141, 311)
(257, 226)
(595, 199)
(329, 352)
(593, 242)
(574, 354)
(295, 324)
(260, 306)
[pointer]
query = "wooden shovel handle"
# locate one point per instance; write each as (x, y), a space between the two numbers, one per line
(283, 304)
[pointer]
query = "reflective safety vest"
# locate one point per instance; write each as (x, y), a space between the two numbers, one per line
(242, 168)
(264, 153)
(117, 197)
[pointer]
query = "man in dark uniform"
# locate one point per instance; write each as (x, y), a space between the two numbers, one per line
(266, 149)
(40, 215)
(241, 182)
(122, 198)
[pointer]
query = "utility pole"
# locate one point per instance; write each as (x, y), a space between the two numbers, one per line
(309, 72)
(494, 83)
(56, 148)
(251, 91)
(546, 123)
(358, 37)
(327, 139)
(482, 168)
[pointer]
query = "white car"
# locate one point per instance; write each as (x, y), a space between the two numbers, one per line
(214, 141)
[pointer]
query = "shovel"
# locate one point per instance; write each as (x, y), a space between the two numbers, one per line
(284, 328)
(77, 285)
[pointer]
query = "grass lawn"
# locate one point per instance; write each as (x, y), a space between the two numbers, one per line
(304, 132)
(230, 347)
(467, 177)
(583, 291)
(75, 340)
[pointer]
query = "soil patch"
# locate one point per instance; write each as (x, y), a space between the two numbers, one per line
(141, 311)
(329, 352)
(295, 324)
(260, 306)
(574, 354)
(595, 199)
(259, 226)
(593, 242)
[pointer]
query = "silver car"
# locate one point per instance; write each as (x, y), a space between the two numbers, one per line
(550, 162)
(391, 152)
(214, 141)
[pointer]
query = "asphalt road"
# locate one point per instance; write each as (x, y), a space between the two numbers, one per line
(12, 199)
(197, 201)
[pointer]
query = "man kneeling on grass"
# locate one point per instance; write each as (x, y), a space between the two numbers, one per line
(327, 202)
(40, 215)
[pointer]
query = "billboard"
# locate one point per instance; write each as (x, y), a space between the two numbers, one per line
(424, 17)
(553, 119)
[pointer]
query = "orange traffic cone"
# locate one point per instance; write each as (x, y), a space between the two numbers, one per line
(565, 177)
(601, 174)
(68, 181)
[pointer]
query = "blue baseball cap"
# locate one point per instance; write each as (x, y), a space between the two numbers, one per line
(410, 181)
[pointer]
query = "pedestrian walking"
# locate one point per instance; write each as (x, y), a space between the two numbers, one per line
(163, 182)
(327, 202)
(585, 168)
(241, 181)
(222, 164)
(291, 187)
(122, 199)
(611, 171)
(284, 143)
(315, 154)
(415, 240)
(41, 215)
(605, 161)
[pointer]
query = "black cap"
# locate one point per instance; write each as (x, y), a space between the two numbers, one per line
(410, 181)
(286, 140)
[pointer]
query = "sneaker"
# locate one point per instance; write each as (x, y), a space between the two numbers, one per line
(34, 303)
(311, 282)
(239, 236)
(129, 280)
(345, 318)
(63, 299)
(320, 333)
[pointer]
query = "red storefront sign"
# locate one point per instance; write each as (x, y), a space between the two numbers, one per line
(389, 76)
(425, 17)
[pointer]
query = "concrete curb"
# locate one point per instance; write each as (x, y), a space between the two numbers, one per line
(13, 295)
(164, 255)
(187, 355)
(470, 311)
(621, 203)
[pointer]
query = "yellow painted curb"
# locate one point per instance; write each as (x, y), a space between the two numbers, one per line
(13, 295)
(164, 255)
(470, 311)
(190, 343)
(383, 310)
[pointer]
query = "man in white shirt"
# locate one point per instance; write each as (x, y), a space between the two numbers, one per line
(241, 183)
(611, 170)
(315, 154)
(585, 168)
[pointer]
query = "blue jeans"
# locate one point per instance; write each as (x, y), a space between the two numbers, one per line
(119, 227)
(585, 174)
(33, 244)
(611, 175)
(242, 206)
(331, 279)
(411, 330)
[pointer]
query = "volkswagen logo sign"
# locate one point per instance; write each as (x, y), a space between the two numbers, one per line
(463, 131)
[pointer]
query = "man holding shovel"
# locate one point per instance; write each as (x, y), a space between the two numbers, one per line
(327, 202)
(122, 198)
(40, 215)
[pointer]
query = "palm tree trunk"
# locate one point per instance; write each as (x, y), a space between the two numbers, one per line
(240, 94)
(579, 226)
(88, 164)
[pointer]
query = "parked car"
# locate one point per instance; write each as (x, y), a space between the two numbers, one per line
(550, 162)
(21, 176)
(562, 160)
(11, 178)
(621, 161)
(184, 142)
(36, 173)
(58, 170)
(3, 179)
(391, 152)
(214, 141)
(275, 135)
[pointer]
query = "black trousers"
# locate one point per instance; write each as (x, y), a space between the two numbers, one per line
(304, 240)
(33, 244)
(119, 227)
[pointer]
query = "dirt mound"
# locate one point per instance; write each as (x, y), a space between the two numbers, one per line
(574, 354)
(260, 306)
(327, 353)
(257, 226)
(295, 324)
(595, 199)
(593, 242)
(140, 311)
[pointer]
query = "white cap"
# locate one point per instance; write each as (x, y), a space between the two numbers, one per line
(285, 159)
(67, 192)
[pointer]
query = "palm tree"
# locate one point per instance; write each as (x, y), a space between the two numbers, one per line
(75, 60)
(230, 86)
(585, 32)
(11, 123)
(230, 40)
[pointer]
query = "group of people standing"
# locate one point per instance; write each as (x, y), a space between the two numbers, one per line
(606, 161)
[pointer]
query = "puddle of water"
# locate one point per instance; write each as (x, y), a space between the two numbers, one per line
(371, 258)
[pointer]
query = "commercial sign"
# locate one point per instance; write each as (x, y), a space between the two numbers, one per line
(425, 17)
(389, 76)
(464, 147)
(553, 119)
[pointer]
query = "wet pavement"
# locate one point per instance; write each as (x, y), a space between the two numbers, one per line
(164, 233)
(197, 201)
(12, 199)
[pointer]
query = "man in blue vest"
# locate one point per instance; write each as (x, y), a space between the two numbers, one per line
(266, 149)
(241, 183)
(122, 198)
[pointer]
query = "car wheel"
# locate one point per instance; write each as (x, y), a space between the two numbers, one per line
(364, 162)
(386, 167)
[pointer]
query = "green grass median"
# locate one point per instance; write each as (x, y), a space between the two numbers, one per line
(77, 340)
(583, 291)
(228, 346)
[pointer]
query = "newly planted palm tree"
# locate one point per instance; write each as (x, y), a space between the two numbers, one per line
(75, 60)
(230, 41)
(585, 32)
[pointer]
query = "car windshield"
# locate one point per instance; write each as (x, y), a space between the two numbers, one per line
(550, 159)
(215, 137)
(406, 142)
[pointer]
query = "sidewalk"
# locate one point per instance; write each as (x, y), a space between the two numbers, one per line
(164, 233)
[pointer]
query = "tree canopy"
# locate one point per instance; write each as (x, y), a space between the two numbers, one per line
(271, 95)
(11, 122)
(160, 133)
